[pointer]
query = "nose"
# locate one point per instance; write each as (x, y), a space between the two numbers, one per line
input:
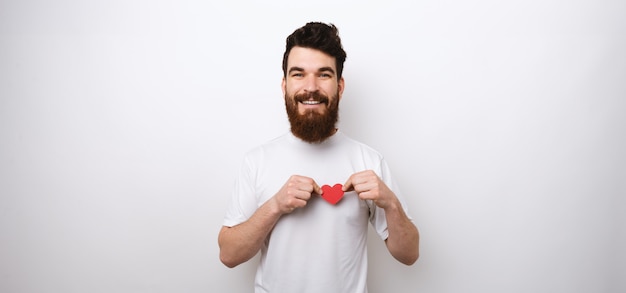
(310, 83)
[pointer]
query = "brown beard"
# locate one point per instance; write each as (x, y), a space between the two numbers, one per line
(312, 126)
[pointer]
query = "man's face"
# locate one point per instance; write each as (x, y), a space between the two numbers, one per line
(312, 93)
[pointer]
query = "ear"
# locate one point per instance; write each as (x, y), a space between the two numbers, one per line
(283, 85)
(340, 86)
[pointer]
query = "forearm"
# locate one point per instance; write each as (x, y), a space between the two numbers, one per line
(403, 240)
(240, 243)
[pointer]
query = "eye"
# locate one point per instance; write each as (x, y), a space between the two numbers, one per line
(325, 75)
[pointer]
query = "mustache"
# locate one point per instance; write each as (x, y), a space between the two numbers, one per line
(312, 96)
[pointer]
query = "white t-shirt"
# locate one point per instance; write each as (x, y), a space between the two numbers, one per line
(320, 248)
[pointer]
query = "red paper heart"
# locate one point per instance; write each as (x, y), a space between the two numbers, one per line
(332, 194)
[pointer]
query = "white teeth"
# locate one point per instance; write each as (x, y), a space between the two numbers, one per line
(310, 102)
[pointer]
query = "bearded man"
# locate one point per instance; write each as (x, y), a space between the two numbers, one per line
(311, 236)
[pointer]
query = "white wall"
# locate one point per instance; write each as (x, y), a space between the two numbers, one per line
(122, 124)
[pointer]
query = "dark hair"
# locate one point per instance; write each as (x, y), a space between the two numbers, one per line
(319, 36)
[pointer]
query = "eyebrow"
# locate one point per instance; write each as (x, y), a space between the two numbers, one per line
(321, 69)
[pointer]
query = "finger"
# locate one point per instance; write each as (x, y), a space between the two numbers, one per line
(317, 189)
(297, 180)
(296, 203)
(308, 184)
(365, 195)
(302, 194)
(348, 186)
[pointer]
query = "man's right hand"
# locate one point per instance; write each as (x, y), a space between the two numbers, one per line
(295, 193)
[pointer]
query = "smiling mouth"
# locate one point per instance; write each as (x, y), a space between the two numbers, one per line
(311, 99)
(310, 102)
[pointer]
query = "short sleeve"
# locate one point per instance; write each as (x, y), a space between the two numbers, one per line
(377, 215)
(243, 201)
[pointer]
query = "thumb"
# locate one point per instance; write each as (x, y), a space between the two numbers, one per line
(348, 185)
(317, 189)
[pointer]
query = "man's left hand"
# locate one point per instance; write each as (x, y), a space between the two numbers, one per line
(369, 186)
